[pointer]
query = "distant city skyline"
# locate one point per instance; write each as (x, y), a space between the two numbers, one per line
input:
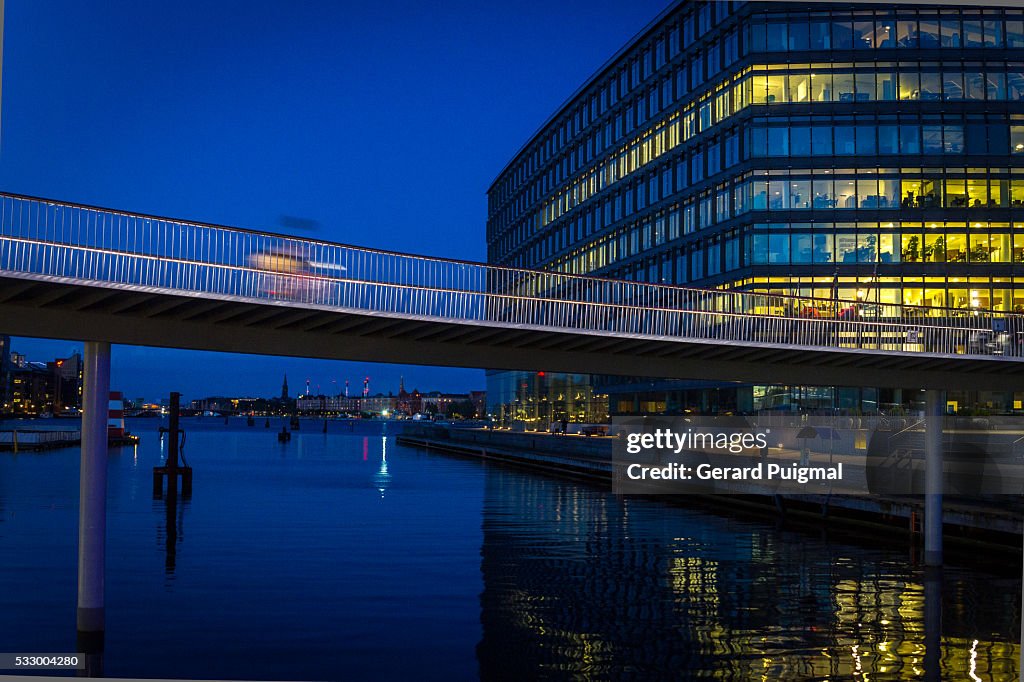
(131, 376)
(379, 125)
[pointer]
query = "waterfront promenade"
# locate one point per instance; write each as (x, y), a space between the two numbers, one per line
(999, 519)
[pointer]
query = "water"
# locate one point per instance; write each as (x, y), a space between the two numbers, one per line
(347, 556)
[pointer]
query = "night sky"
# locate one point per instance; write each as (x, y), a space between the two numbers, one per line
(381, 124)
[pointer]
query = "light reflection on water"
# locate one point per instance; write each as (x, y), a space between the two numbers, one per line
(347, 556)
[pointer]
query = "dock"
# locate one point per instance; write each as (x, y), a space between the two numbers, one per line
(33, 440)
(986, 521)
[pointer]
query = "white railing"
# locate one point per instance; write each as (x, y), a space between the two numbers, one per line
(81, 244)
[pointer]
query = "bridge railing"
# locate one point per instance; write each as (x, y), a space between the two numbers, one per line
(90, 245)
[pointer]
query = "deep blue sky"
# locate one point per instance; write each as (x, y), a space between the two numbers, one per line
(383, 122)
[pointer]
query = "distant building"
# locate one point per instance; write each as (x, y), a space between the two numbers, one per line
(284, 388)
(67, 379)
(32, 389)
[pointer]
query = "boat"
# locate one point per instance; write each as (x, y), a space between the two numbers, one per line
(284, 436)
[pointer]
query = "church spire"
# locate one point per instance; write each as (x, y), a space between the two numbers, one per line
(284, 388)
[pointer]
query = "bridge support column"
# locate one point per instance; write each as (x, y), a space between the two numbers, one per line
(934, 400)
(92, 508)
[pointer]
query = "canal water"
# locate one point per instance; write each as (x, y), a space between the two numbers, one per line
(346, 556)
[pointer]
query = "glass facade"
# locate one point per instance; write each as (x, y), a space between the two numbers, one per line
(868, 153)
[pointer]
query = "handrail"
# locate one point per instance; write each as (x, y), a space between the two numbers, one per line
(69, 242)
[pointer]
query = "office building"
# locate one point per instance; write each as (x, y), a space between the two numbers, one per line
(860, 152)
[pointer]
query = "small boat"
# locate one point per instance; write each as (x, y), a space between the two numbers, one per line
(266, 424)
(284, 436)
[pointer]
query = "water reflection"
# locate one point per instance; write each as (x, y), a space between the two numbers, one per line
(578, 582)
(382, 478)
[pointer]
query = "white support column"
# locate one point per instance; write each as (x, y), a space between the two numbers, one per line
(92, 509)
(934, 400)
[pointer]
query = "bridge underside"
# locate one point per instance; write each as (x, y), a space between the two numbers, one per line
(57, 310)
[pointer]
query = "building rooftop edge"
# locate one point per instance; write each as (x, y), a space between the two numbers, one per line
(642, 33)
(587, 83)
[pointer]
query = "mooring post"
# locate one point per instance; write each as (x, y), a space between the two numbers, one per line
(933, 412)
(92, 510)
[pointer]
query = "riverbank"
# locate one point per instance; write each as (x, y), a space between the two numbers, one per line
(997, 523)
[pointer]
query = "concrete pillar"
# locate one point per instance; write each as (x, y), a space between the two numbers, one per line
(92, 509)
(934, 402)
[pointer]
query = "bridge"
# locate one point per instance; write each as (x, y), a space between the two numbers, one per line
(80, 272)
(105, 276)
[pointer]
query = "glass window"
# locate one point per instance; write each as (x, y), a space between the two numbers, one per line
(950, 34)
(798, 37)
(953, 139)
(842, 34)
(777, 90)
(977, 193)
(867, 248)
(778, 195)
(929, 33)
(910, 139)
(760, 196)
(885, 86)
(972, 33)
(888, 139)
(931, 86)
(820, 35)
(758, 143)
(778, 248)
(776, 38)
(822, 250)
(821, 140)
(995, 84)
(800, 141)
(998, 193)
(866, 140)
(802, 249)
(885, 32)
(865, 86)
(993, 33)
(842, 87)
(800, 194)
(935, 250)
(887, 249)
(864, 35)
(1017, 144)
(1015, 33)
(821, 86)
(824, 193)
(956, 194)
(1015, 86)
(911, 248)
(974, 83)
(889, 193)
(846, 247)
(799, 87)
(906, 33)
(778, 142)
(844, 140)
(910, 86)
(931, 139)
(867, 193)
(952, 85)
(846, 194)
(979, 252)
(1001, 248)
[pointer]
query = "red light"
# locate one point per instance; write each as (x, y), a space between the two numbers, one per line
(540, 374)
